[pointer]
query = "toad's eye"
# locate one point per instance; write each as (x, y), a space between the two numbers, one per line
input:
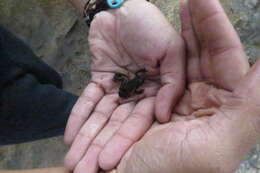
(115, 3)
(119, 77)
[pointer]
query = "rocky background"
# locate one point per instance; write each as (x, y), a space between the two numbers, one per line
(53, 29)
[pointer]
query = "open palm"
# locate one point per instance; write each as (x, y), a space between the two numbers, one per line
(136, 36)
(217, 121)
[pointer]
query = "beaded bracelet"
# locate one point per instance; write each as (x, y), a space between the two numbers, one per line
(92, 8)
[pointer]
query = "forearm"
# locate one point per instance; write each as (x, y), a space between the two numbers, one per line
(46, 170)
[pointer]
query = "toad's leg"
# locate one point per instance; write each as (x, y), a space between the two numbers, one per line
(141, 91)
(140, 72)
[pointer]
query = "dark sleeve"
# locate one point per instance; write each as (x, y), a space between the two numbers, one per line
(30, 110)
(18, 54)
(32, 103)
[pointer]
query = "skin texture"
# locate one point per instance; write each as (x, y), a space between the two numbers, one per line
(217, 120)
(124, 40)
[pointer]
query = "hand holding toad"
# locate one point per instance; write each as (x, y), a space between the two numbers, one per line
(217, 121)
(123, 41)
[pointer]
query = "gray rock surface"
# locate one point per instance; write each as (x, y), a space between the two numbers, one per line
(39, 154)
(57, 35)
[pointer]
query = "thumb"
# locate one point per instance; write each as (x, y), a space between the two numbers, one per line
(240, 128)
(247, 97)
(249, 85)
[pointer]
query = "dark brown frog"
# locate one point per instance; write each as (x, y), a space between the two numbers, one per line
(129, 87)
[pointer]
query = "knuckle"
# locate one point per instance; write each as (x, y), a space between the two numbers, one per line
(84, 135)
(80, 107)
(86, 100)
(69, 162)
(115, 123)
(139, 115)
(214, 14)
(126, 137)
(101, 115)
(112, 97)
(67, 140)
(98, 143)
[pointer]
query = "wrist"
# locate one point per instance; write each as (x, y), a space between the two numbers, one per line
(89, 8)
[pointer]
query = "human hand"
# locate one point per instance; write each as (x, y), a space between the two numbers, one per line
(124, 40)
(217, 121)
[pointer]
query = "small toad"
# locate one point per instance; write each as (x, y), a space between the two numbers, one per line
(129, 87)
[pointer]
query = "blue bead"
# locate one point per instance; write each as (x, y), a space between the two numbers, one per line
(115, 3)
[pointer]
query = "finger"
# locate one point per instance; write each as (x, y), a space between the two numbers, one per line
(172, 79)
(178, 118)
(89, 165)
(131, 131)
(216, 33)
(249, 85)
(90, 129)
(184, 106)
(191, 41)
(81, 111)
(241, 123)
(90, 160)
